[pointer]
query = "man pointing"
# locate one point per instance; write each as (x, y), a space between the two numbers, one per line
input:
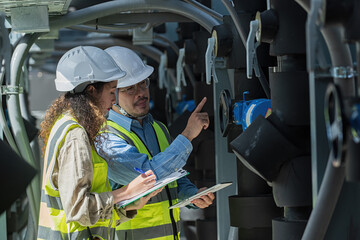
(135, 140)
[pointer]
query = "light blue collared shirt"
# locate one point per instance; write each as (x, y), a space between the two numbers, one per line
(123, 158)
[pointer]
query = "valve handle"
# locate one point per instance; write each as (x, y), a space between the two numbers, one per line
(180, 76)
(210, 61)
(251, 46)
(162, 70)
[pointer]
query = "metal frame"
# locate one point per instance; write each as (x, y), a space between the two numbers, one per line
(225, 162)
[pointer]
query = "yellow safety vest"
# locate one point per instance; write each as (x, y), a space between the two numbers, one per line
(52, 220)
(154, 220)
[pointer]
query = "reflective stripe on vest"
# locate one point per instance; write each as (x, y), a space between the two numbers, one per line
(156, 232)
(52, 220)
(150, 221)
(49, 234)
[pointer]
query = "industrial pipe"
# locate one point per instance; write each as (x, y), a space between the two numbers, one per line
(17, 123)
(149, 51)
(26, 114)
(6, 47)
(3, 123)
(114, 7)
(205, 9)
(236, 20)
(99, 29)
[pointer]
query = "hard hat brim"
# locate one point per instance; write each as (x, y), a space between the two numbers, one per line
(148, 70)
(63, 85)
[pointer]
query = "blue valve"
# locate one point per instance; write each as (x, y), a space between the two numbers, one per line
(185, 105)
(245, 112)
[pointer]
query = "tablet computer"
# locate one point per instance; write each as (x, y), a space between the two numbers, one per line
(212, 189)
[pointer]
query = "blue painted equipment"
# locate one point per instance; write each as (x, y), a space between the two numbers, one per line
(185, 105)
(240, 113)
(245, 112)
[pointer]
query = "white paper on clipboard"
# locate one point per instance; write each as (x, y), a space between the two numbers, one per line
(212, 189)
(159, 183)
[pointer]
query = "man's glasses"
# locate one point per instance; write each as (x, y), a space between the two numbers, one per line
(133, 89)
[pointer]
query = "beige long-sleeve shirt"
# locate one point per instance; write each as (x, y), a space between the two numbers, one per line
(73, 174)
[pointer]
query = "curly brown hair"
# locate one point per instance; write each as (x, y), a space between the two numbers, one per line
(84, 107)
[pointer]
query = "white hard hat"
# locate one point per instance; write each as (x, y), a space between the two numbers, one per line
(131, 63)
(84, 65)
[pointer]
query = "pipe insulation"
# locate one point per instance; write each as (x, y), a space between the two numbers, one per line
(236, 20)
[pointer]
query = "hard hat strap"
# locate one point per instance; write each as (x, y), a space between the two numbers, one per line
(126, 114)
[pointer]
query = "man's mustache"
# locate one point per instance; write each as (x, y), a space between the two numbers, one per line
(141, 99)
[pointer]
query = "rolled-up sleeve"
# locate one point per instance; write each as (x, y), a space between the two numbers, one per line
(123, 158)
(186, 188)
(73, 176)
(125, 215)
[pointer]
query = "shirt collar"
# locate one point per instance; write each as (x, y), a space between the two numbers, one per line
(126, 122)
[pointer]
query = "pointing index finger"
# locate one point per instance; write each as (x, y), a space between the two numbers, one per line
(200, 105)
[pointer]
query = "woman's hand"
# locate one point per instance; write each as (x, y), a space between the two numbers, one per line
(205, 200)
(140, 203)
(140, 184)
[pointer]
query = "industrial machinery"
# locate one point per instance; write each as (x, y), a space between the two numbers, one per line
(281, 78)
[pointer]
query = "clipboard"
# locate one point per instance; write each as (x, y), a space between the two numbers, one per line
(212, 189)
(159, 183)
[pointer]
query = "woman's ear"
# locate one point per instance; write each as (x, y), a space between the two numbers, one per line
(91, 90)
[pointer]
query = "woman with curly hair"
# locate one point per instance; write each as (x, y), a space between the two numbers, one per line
(77, 201)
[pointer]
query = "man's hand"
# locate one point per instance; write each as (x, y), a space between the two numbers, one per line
(197, 122)
(205, 200)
